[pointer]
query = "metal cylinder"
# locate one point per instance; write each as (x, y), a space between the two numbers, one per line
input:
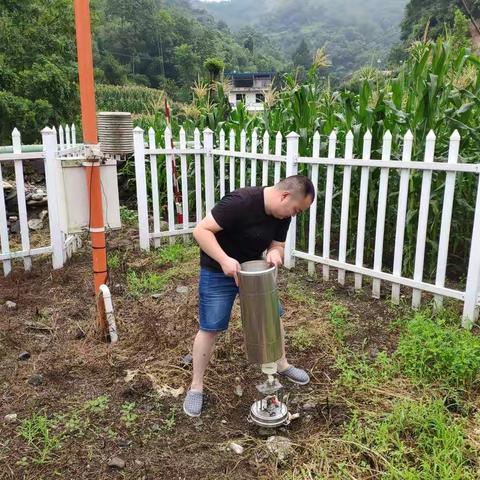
(260, 311)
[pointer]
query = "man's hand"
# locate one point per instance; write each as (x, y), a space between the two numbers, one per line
(231, 268)
(274, 257)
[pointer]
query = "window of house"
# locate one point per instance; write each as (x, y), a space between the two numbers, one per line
(241, 97)
(260, 98)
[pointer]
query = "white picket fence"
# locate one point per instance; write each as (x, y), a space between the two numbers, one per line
(61, 245)
(212, 164)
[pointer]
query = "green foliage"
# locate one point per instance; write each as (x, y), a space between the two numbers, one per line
(37, 67)
(357, 372)
(128, 98)
(436, 351)
(302, 339)
(127, 216)
(113, 260)
(175, 253)
(416, 441)
(129, 417)
(38, 434)
(214, 66)
(98, 404)
(339, 320)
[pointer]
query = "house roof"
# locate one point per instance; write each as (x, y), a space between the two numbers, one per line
(249, 74)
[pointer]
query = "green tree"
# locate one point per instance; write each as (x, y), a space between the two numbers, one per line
(302, 56)
(38, 74)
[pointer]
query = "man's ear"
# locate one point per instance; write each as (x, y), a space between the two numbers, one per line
(285, 195)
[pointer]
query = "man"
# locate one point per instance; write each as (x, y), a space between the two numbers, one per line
(240, 228)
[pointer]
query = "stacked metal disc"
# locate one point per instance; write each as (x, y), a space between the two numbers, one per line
(115, 132)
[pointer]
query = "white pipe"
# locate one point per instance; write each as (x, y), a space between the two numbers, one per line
(107, 300)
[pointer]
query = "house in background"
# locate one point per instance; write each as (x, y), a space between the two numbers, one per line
(250, 88)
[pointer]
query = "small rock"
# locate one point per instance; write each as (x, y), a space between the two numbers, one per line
(279, 446)
(187, 360)
(79, 334)
(7, 185)
(116, 462)
(156, 295)
(15, 226)
(10, 418)
(198, 425)
(24, 355)
(35, 224)
(238, 388)
(10, 305)
(38, 195)
(122, 443)
(236, 448)
(43, 214)
(224, 421)
(182, 290)
(309, 406)
(35, 380)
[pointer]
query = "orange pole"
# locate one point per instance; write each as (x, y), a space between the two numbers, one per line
(89, 127)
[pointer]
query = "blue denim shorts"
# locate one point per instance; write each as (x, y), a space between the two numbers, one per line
(216, 293)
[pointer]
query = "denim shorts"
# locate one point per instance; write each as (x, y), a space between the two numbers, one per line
(216, 293)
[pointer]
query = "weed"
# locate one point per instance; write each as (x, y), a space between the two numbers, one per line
(113, 260)
(129, 417)
(298, 293)
(37, 433)
(175, 253)
(338, 319)
(169, 422)
(128, 217)
(302, 339)
(432, 350)
(97, 405)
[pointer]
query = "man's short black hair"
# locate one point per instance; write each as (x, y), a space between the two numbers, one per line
(298, 184)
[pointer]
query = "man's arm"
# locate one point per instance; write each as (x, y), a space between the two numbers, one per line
(275, 253)
(204, 234)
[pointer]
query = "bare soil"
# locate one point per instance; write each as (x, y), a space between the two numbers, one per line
(55, 322)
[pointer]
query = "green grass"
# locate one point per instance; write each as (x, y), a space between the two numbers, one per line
(358, 372)
(415, 441)
(128, 217)
(302, 339)
(339, 320)
(38, 434)
(113, 260)
(129, 417)
(175, 254)
(298, 292)
(434, 350)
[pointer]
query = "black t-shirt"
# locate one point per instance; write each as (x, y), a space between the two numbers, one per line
(247, 229)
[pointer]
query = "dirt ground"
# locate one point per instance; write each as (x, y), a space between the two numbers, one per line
(101, 400)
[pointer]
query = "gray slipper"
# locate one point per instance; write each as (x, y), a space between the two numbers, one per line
(192, 404)
(296, 375)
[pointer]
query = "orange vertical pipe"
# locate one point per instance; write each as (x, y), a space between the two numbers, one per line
(89, 127)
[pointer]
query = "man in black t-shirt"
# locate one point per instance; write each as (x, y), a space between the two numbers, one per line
(240, 227)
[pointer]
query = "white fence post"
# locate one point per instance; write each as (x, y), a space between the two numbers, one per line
(231, 147)
(61, 137)
(278, 152)
(169, 161)
(266, 150)
(327, 218)
(470, 308)
(312, 225)
(74, 135)
(21, 200)
(140, 178)
(7, 264)
(184, 175)
(347, 180)
(401, 215)
(253, 162)
(447, 208)
(209, 170)
(154, 175)
(243, 149)
(381, 211)
(222, 164)
(362, 208)
(50, 145)
(291, 169)
(423, 219)
(198, 176)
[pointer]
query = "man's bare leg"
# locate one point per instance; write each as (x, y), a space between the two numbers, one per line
(202, 351)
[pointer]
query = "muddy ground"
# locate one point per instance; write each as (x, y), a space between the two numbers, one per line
(95, 401)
